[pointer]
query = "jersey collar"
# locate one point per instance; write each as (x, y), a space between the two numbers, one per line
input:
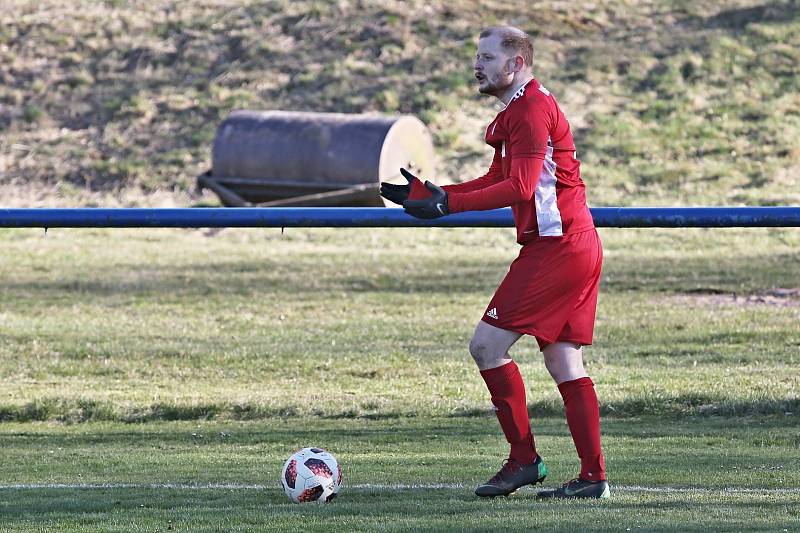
(518, 93)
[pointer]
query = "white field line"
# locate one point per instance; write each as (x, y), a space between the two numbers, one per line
(368, 487)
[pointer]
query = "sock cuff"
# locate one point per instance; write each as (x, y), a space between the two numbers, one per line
(567, 387)
(500, 373)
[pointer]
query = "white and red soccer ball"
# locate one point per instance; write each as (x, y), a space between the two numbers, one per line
(311, 475)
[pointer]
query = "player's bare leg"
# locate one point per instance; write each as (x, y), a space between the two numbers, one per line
(489, 347)
(564, 361)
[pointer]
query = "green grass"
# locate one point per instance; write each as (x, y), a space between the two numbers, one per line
(186, 357)
(699, 458)
(247, 317)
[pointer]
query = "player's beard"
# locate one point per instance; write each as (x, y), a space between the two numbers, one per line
(497, 84)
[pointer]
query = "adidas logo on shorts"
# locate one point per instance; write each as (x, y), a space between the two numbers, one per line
(492, 313)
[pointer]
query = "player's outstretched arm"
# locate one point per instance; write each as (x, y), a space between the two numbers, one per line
(415, 190)
(492, 176)
(519, 187)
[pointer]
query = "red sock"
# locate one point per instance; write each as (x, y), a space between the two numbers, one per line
(508, 396)
(583, 418)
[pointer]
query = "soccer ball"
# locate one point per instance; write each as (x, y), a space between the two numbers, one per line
(311, 475)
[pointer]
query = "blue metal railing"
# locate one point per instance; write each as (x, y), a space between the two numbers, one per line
(616, 217)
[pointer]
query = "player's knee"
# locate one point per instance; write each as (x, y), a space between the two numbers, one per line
(564, 364)
(555, 369)
(481, 352)
(477, 349)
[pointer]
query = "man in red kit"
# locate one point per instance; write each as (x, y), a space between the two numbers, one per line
(550, 291)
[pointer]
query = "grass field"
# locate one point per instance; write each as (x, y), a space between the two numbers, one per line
(211, 476)
(157, 379)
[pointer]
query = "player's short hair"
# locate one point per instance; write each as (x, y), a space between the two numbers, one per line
(513, 40)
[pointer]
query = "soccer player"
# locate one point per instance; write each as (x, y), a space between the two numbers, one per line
(550, 290)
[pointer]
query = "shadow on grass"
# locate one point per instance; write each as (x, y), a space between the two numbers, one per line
(423, 433)
(177, 506)
(769, 13)
(82, 410)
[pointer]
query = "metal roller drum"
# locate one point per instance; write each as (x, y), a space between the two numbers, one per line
(283, 158)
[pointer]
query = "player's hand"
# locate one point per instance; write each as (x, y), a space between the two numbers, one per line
(399, 193)
(434, 206)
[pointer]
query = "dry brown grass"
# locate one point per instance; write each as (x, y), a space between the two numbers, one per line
(671, 103)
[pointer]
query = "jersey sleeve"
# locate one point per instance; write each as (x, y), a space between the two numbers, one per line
(418, 191)
(519, 187)
(492, 176)
(527, 147)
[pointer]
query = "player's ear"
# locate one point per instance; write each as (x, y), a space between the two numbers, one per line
(512, 68)
(519, 63)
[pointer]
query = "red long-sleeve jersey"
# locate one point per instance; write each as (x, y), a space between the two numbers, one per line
(534, 170)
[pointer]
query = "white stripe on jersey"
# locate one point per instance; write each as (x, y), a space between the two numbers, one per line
(547, 214)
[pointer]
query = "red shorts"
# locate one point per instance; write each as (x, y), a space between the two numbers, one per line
(550, 291)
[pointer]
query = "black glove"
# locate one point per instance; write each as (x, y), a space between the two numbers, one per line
(398, 193)
(434, 206)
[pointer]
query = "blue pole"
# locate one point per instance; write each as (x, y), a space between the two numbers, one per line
(616, 217)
